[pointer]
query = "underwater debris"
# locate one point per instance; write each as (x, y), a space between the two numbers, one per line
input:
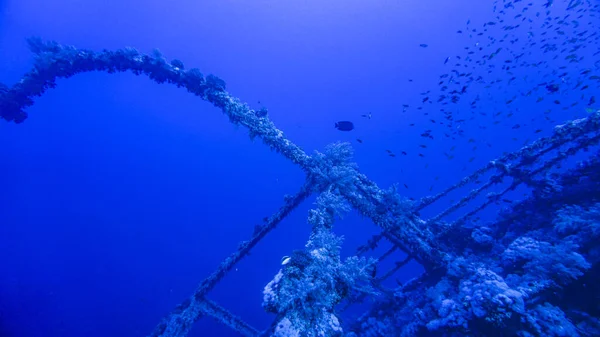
(531, 272)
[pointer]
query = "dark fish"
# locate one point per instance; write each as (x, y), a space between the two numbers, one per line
(423, 45)
(552, 88)
(359, 140)
(344, 126)
(592, 100)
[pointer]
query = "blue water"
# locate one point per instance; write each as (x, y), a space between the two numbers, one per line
(119, 195)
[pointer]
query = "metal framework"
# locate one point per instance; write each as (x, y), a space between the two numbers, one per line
(422, 240)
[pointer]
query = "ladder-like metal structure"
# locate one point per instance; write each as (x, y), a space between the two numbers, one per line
(423, 240)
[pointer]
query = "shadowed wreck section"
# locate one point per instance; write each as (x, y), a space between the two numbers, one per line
(502, 279)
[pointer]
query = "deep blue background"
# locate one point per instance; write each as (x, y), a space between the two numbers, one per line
(119, 195)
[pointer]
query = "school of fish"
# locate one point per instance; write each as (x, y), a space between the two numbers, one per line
(545, 53)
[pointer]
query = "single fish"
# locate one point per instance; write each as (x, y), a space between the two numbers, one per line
(344, 126)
